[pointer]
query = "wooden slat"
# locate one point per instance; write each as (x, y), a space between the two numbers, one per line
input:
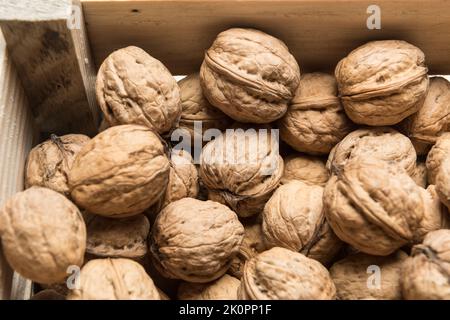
(318, 32)
(52, 57)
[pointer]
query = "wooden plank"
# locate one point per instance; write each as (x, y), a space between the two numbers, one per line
(17, 136)
(52, 55)
(318, 32)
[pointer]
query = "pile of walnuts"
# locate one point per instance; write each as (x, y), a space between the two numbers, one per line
(350, 203)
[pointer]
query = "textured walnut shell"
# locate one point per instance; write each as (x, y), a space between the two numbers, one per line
(134, 88)
(293, 218)
(364, 277)
(114, 279)
(382, 82)
(42, 234)
(426, 272)
(420, 174)
(308, 169)
(381, 143)
(249, 75)
(118, 238)
(120, 172)
(224, 288)
(438, 153)
(195, 240)
(242, 169)
(376, 207)
(315, 120)
(442, 181)
(48, 163)
(282, 274)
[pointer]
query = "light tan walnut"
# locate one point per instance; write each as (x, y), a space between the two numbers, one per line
(425, 274)
(315, 120)
(381, 143)
(382, 82)
(42, 234)
(282, 274)
(134, 88)
(114, 279)
(364, 277)
(242, 169)
(438, 153)
(48, 163)
(195, 240)
(249, 75)
(224, 288)
(308, 169)
(120, 172)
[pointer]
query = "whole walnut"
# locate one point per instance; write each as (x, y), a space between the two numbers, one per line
(196, 108)
(364, 277)
(377, 208)
(242, 169)
(282, 274)
(293, 218)
(48, 163)
(381, 143)
(42, 234)
(308, 169)
(315, 120)
(442, 181)
(425, 274)
(114, 279)
(120, 172)
(134, 88)
(249, 75)
(117, 238)
(382, 82)
(195, 240)
(438, 153)
(224, 288)
(420, 174)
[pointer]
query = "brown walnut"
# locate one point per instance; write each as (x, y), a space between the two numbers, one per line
(438, 153)
(308, 169)
(224, 288)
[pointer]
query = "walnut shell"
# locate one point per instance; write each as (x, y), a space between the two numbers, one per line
(118, 238)
(48, 163)
(242, 169)
(364, 277)
(134, 88)
(438, 153)
(381, 143)
(224, 288)
(315, 120)
(195, 240)
(308, 169)
(425, 274)
(42, 234)
(443, 182)
(120, 172)
(282, 274)
(114, 279)
(293, 218)
(249, 75)
(382, 82)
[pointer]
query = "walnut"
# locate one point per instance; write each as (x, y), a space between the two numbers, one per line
(118, 238)
(134, 88)
(249, 75)
(377, 208)
(308, 169)
(120, 172)
(114, 279)
(420, 174)
(242, 169)
(442, 181)
(437, 154)
(293, 218)
(195, 240)
(382, 82)
(48, 163)
(282, 274)
(426, 272)
(224, 288)
(362, 277)
(380, 143)
(315, 120)
(42, 234)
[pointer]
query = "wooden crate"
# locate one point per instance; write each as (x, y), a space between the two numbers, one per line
(47, 70)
